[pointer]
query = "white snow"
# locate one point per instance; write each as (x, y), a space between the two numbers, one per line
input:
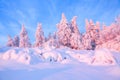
(103, 57)
(61, 64)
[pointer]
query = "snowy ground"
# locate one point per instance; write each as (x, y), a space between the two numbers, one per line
(58, 64)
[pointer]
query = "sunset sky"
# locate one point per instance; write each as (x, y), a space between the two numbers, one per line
(14, 13)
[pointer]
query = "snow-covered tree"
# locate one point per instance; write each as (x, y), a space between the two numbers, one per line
(10, 42)
(24, 39)
(74, 25)
(86, 40)
(39, 35)
(95, 35)
(69, 35)
(110, 36)
(76, 42)
(64, 31)
(91, 36)
(16, 41)
(76, 38)
(87, 25)
(53, 41)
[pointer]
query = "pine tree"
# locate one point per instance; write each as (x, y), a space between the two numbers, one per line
(76, 39)
(87, 25)
(16, 41)
(53, 41)
(39, 35)
(89, 37)
(10, 42)
(86, 40)
(64, 31)
(110, 36)
(24, 39)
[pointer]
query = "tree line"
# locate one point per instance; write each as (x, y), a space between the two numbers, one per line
(68, 35)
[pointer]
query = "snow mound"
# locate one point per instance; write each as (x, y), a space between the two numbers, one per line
(13, 55)
(62, 56)
(81, 56)
(103, 57)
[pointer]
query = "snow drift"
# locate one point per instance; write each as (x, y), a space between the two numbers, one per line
(103, 57)
(63, 56)
(49, 63)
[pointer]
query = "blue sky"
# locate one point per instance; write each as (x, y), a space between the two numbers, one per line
(14, 13)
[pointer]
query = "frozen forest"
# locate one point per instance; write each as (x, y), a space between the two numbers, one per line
(66, 54)
(96, 36)
(59, 39)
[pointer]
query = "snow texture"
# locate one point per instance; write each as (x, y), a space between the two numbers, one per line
(63, 63)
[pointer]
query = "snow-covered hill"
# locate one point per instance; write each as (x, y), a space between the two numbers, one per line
(63, 56)
(65, 63)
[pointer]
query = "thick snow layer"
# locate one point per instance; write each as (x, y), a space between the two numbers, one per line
(20, 57)
(47, 71)
(103, 57)
(66, 64)
(65, 55)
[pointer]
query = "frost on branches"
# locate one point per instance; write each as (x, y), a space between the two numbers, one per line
(39, 35)
(24, 40)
